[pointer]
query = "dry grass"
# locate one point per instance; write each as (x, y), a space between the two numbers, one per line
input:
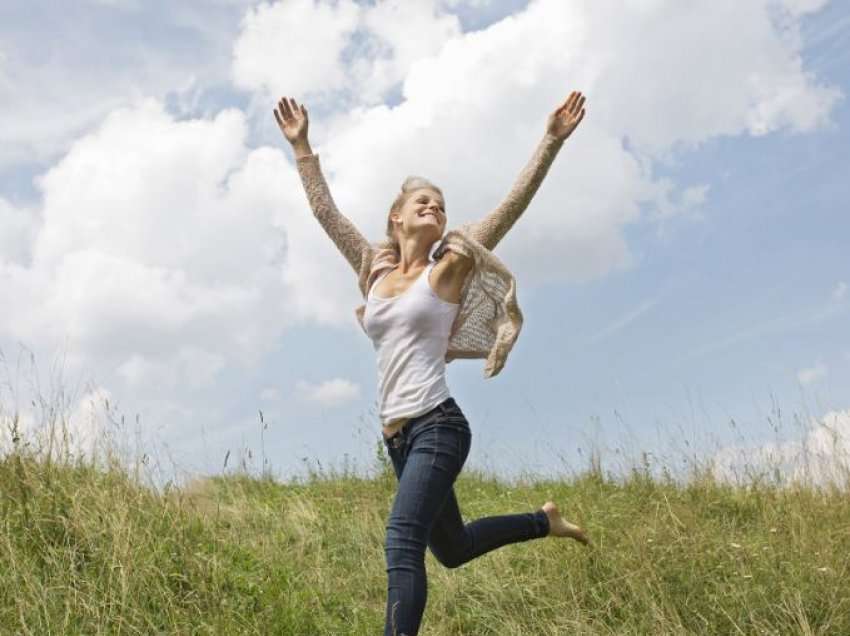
(89, 546)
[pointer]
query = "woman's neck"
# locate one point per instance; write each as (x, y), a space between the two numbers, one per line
(413, 255)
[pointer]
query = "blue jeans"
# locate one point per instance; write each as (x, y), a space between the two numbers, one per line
(427, 454)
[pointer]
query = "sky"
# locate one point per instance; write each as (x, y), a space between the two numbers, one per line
(682, 271)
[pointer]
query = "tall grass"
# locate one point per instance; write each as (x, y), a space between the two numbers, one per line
(90, 545)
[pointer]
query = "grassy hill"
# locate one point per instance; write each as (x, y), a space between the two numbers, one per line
(87, 550)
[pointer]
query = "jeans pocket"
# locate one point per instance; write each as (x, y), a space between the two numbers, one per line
(454, 411)
(449, 439)
(458, 420)
(396, 452)
(395, 441)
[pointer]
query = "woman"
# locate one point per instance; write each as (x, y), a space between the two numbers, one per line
(421, 313)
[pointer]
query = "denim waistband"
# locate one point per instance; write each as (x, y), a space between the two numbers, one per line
(443, 408)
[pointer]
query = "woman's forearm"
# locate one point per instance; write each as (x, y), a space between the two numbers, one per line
(348, 239)
(301, 148)
(559, 125)
(492, 228)
(293, 122)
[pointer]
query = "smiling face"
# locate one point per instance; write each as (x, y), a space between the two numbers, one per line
(423, 212)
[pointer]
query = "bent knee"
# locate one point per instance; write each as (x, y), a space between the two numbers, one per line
(449, 560)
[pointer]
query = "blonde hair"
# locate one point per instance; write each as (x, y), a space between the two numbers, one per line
(410, 184)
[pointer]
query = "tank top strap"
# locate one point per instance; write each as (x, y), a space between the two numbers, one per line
(375, 282)
(427, 273)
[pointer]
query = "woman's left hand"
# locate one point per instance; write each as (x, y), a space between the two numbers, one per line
(563, 121)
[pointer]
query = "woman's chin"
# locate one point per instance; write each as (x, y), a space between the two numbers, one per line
(431, 228)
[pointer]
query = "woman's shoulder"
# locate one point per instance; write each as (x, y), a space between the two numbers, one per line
(455, 260)
(459, 240)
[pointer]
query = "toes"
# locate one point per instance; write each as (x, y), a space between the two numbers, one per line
(582, 537)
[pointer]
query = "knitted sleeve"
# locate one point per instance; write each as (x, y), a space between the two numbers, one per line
(490, 230)
(342, 231)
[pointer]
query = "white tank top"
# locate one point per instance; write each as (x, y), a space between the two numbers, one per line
(410, 333)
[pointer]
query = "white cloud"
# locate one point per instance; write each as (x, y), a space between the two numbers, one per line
(475, 4)
(664, 83)
(398, 35)
(800, 7)
(161, 249)
(60, 77)
(166, 251)
(275, 49)
(188, 367)
(350, 52)
(821, 458)
(334, 392)
(840, 292)
(810, 375)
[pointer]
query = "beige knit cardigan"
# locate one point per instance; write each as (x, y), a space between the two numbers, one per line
(489, 319)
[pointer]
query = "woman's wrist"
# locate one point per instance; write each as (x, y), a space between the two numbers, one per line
(301, 148)
(548, 137)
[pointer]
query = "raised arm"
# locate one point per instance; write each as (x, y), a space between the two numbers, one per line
(292, 120)
(560, 124)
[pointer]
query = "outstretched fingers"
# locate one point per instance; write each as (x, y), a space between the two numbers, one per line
(279, 114)
(578, 105)
(291, 117)
(573, 103)
(285, 110)
(297, 111)
(567, 105)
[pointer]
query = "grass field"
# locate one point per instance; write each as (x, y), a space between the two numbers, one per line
(87, 548)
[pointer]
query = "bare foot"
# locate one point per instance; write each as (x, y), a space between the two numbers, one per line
(560, 527)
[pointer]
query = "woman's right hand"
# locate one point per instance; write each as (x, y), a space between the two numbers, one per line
(292, 120)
